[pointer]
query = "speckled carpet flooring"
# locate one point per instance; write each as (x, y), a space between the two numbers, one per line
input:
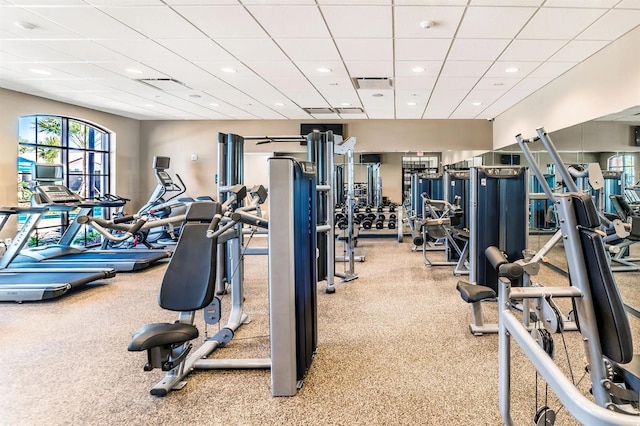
(394, 349)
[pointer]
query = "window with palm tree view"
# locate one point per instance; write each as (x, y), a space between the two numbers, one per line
(83, 151)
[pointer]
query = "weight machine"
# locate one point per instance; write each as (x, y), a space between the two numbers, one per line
(189, 284)
(613, 369)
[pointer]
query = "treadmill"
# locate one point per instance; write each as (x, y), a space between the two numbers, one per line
(37, 284)
(56, 197)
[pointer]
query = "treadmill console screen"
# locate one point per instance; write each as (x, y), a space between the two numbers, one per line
(53, 194)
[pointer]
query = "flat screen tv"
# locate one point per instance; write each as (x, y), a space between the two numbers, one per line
(337, 129)
(370, 158)
(161, 163)
(47, 172)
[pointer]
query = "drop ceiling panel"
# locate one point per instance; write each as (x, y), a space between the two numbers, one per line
(480, 22)
(443, 102)
(498, 69)
(455, 83)
(370, 68)
(154, 21)
(465, 68)
(84, 50)
(552, 69)
(44, 28)
(628, 4)
(414, 83)
(370, 49)
(358, 21)
(289, 85)
(120, 68)
(496, 84)
(269, 69)
(274, 2)
(406, 68)
(413, 49)
(531, 50)
(196, 2)
(506, 2)
(220, 22)
(354, 2)
(215, 68)
(84, 70)
(581, 3)
(141, 50)
(309, 49)
(310, 69)
(301, 21)
(430, 2)
(308, 99)
(614, 24)
(578, 50)
(88, 22)
(476, 50)
(407, 21)
(560, 23)
(198, 49)
(28, 49)
(254, 49)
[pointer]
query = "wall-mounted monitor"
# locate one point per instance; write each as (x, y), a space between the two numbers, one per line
(370, 158)
(161, 163)
(336, 128)
(47, 172)
(636, 134)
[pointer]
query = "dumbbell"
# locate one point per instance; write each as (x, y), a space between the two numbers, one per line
(392, 208)
(367, 222)
(367, 209)
(391, 224)
(380, 221)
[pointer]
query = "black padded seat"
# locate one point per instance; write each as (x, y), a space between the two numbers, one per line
(162, 334)
(472, 293)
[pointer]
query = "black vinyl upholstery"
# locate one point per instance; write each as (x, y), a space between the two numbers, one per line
(621, 207)
(613, 324)
(189, 281)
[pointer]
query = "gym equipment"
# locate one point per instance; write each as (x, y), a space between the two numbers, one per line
(189, 285)
(64, 255)
(350, 233)
(499, 217)
(439, 218)
(320, 150)
(20, 285)
(613, 369)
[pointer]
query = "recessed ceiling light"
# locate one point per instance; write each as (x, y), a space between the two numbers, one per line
(134, 71)
(476, 103)
(498, 84)
(195, 96)
(149, 105)
(412, 103)
(324, 69)
(377, 95)
(345, 104)
(25, 25)
(512, 69)
(418, 69)
(279, 104)
(39, 71)
(228, 69)
(214, 104)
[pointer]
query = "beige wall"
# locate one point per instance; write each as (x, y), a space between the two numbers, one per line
(181, 139)
(607, 82)
(126, 148)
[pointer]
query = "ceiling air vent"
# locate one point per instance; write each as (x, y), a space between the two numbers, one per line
(351, 110)
(166, 84)
(373, 83)
(322, 110)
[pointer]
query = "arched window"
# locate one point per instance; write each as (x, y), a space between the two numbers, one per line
(624, 162)
(83, 151)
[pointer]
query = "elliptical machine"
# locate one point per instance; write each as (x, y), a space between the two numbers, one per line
(161, 206)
